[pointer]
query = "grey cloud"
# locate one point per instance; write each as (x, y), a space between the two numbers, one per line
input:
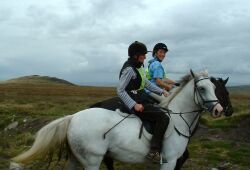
(89, 39)
(5, 14)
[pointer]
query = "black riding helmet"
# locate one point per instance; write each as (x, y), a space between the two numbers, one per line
(159, 46)
(137, 48)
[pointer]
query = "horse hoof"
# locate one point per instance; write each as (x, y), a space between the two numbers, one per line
(15, 166)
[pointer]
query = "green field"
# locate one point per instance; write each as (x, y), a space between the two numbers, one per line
(219, 143)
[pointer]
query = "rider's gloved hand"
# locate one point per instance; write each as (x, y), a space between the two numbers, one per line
(177, 84)
(139, 107)
(165, 93)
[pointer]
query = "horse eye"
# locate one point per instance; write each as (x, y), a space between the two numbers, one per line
(202, 89)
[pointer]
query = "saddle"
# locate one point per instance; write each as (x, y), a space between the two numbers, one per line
(115, 104)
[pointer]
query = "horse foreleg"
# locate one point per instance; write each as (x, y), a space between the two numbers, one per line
(109, 162)
(169, 166)
(182, 160)
(90, 161)
(72, 162)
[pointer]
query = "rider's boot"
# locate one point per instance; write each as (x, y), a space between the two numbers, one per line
(154, 156)
(156, 142)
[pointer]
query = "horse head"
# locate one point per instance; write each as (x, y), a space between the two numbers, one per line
(222, 94)
(204, 95)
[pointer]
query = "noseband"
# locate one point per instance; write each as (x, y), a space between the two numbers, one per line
(204, 105)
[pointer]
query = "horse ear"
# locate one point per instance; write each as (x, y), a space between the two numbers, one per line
(212, 79)
(225, 81)
(192, 73)
(206, 71)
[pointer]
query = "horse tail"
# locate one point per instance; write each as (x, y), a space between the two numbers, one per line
(47, 140)
(96, 105)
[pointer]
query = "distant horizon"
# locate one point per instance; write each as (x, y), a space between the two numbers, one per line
(112, 83)
(233, 81)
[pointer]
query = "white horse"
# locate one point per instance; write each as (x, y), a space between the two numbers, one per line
(85, 129)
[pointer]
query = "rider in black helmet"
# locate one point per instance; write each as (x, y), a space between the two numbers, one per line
(131, 91)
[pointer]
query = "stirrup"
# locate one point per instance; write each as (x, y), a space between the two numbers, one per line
(154, 156)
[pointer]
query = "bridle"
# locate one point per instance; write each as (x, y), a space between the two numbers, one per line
(204, 102)
(203, 107)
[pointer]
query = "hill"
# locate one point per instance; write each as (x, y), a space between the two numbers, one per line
(37, 79)
(239, 88)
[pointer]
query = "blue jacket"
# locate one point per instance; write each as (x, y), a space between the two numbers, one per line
(155, 70)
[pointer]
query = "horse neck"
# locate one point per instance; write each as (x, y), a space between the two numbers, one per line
(184, 102)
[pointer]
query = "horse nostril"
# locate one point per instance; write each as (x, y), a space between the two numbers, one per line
(231, 110)
(216, 112)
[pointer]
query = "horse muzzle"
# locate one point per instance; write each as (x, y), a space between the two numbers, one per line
(217, 110)
(228, 111)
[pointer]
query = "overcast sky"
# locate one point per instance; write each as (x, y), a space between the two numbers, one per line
(86, 41)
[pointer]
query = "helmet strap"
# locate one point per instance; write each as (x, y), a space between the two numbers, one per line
(157, 58)
(134, 60)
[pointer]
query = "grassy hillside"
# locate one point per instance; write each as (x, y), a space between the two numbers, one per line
(36, 79)
(240, 88)
(222, 141)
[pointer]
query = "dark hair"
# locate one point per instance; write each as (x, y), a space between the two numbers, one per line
(137, 48)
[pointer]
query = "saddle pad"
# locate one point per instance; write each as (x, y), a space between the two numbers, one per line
(116, 105)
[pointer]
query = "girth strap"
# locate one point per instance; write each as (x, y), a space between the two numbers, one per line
(141, 130)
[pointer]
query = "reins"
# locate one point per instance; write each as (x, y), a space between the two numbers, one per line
(169, 112)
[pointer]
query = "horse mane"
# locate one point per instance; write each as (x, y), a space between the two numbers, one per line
(183, 81)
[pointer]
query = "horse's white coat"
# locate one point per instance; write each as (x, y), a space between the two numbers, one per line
(86, 129)
(122, 143)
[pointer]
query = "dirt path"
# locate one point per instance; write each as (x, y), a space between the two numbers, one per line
(241, 133)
